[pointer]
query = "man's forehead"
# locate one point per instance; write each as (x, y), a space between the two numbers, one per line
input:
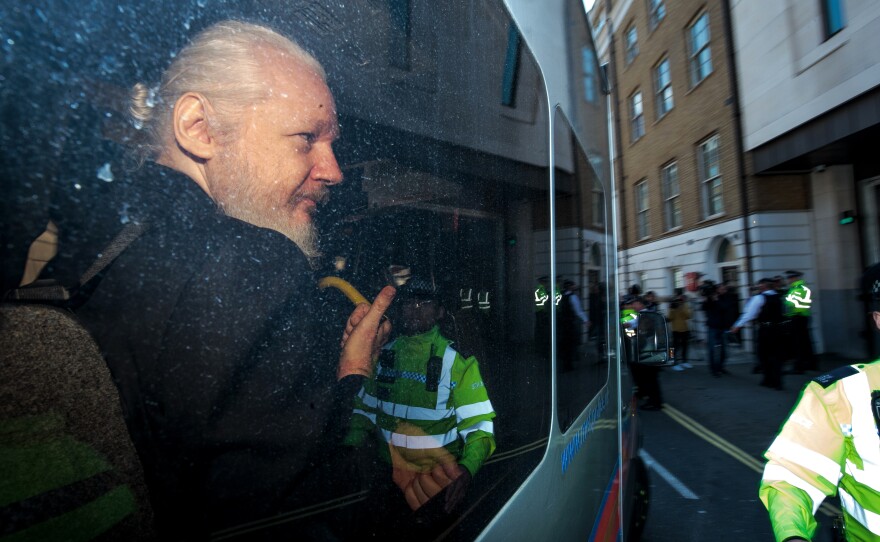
(303, 94)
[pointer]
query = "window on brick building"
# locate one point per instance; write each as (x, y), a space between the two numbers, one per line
(709, 168)
(671, 193)
(632, 44)
(698, 49)
(637, 116)
(833, 17)
(663, 88)
(642, 208)
(656, 12)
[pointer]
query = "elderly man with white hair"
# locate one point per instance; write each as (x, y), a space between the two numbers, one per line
(207, 319)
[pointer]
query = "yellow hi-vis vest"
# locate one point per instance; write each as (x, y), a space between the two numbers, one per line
(828, 445)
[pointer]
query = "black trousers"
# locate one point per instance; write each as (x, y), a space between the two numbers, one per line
(680, 340)
(769, 354)
(802, 344)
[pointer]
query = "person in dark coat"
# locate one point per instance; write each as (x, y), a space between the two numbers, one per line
(573, 321)
(720, 315)
(765, 308)
(206, 321)
(598, 315)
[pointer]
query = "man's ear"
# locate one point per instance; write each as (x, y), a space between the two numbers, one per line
(876, 315)
(191, 126)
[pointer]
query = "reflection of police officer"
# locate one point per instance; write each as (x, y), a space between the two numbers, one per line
(798, 306)
(543, 306)
(645, 377)
(828, 445)
(571, 322)
(428, 410)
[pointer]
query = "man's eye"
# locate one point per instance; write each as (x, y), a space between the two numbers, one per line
(308, 137)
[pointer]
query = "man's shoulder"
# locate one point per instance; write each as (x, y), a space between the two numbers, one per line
(836, 375)
(461, 350)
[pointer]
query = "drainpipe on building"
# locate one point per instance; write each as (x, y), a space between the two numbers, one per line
(737, 127)
(612, 53)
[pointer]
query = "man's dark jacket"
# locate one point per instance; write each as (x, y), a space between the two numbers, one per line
(720, 311)
(207, 325)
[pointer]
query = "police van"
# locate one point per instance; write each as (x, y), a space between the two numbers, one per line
(476, 152)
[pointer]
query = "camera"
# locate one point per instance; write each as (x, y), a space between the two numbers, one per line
(708, 288)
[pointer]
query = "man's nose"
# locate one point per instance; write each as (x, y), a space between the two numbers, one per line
(326, 169)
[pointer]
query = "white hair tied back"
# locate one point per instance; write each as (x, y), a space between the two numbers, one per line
(220, 64)
(152, 94)
(142, 103)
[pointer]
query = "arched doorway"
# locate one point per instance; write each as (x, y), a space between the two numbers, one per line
(727, 262)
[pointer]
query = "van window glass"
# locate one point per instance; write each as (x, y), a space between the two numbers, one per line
(444, 147)
(583, 244)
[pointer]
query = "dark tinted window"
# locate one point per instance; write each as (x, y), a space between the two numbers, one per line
(444, 146)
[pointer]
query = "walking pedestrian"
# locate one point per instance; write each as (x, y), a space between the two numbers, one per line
(717, 309)
(679, 314)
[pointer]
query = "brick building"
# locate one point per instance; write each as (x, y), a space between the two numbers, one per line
(688, 203)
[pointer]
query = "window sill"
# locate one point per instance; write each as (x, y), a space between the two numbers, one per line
(663, 116)
(700, 82)
(712, 217)
(821, 51)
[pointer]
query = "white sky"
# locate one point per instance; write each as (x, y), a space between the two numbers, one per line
(588, 4)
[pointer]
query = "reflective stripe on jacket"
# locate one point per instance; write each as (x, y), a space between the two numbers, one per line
(798, 300)
(421, 402)
(829, 444)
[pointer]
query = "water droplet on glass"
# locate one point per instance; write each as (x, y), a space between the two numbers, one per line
(105, 174)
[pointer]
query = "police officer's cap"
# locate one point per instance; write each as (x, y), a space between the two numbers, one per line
(793, 274)
(871, 285)
(419, 286)
(629, 299)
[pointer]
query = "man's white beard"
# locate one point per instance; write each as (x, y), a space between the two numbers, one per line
(240, 197)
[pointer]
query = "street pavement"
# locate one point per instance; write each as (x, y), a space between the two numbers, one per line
(723, 504)
(735, 404)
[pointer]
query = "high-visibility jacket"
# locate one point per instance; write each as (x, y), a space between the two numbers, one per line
(542, 298)
(828, 445)
(798, 299)
(428, 402)
(629, 319)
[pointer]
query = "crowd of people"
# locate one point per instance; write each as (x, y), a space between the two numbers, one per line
(829, 443)
(779, 311)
